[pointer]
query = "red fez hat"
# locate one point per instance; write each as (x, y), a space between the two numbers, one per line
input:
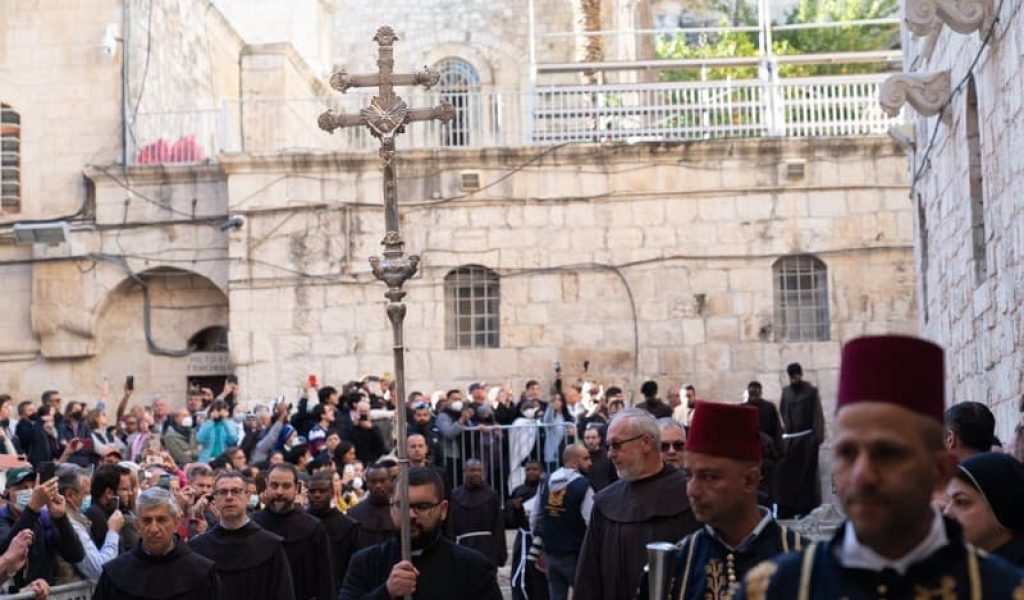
(728, 430)
(895, 369)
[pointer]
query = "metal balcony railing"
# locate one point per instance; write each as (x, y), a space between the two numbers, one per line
(676, 111)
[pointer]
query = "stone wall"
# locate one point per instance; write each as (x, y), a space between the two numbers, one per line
(689, 231)
(977, 321)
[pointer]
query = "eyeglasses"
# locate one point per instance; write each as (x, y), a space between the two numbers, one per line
(616, 446)
(230, 492)
(420, 508)
(677, 446)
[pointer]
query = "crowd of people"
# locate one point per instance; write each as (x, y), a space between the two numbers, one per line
(220, 499)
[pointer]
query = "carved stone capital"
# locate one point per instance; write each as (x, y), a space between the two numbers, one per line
(923, 17)
(926, 92)
(385, 36)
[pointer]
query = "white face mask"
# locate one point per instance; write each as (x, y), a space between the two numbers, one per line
(530, 413)
(254, 500)
(186, 422)
(21, 498)
(357, 483)
(457, 406)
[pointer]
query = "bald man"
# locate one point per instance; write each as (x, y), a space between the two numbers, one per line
(561, 517)
(474, 515)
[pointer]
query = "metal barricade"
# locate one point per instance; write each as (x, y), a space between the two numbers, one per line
(504, 451)
(80, 590)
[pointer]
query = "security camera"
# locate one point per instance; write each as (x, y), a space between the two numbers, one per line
(233, 222)
(905, 136)
(110, 40)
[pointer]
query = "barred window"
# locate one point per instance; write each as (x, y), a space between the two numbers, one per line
(459, 85)
(10, 159)
(801, 299)
(472, 297)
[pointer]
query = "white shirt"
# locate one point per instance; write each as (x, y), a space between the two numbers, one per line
(92, 565)
(743, 545)
(852, 554)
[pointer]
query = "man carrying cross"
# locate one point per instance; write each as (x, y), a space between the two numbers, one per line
(386, 117)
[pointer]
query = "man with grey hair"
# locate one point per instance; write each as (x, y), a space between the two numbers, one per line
(74, 483)
(647, 504)
(673, 442)
(162, 565)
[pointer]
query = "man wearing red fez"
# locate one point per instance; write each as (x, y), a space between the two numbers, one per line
(723, 469)
(888, 460)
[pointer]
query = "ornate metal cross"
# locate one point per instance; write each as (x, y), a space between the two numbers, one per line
(385, 117)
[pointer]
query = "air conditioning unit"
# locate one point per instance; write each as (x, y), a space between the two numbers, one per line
(469, 181)
(54, 232)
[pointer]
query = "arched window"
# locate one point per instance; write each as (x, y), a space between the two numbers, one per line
(979, 242)
(460, 85)
(211, 339)
(801, 299)
(472, 297)
(10, 159)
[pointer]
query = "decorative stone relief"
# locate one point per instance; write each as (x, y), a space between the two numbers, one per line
(926, 17)
(926, 92)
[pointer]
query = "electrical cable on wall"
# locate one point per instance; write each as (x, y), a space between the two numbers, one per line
(925, 161)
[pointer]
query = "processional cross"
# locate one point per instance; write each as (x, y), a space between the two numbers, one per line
(385, 117)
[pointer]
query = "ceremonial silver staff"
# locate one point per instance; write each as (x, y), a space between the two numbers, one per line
(385, 117)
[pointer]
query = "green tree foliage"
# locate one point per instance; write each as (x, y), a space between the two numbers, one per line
(803, 41)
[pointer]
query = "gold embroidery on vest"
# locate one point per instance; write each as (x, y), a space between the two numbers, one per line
(717, 583)
(945, 591)
(759, 578)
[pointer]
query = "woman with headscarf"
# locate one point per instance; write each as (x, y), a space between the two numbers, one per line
(987, 499)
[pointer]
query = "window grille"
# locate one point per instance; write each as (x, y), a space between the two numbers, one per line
(472, 300)
(460, 85)
(10, 159)
(801, 299)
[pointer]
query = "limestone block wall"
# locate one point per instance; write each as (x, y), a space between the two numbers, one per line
(977, 321)
(648, 260)
(307, 24)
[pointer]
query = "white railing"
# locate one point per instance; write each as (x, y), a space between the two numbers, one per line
(671, 111)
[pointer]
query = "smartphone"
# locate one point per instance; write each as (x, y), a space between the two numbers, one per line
(47, 470)
(233, 379)
(164, 481)
(313, 382)
(129, 382)
(153, 459)
(116, 502)
(558, 366)
(586, 365)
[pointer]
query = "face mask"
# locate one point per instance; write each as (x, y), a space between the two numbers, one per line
(530, 413)
(186, 422)
(21, 498)
(76, 416)
(457, 406)
(86, 503)
(254, 500)
(357, 483)
(218, 418)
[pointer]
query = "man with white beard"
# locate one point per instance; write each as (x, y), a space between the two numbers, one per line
(647, 504)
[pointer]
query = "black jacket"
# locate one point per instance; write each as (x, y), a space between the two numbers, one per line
(50, 538)
(446, 571)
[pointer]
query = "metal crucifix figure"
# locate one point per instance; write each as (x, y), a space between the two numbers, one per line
(386, 116)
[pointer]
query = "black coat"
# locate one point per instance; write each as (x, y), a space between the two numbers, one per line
(179, 575)
(447, 572)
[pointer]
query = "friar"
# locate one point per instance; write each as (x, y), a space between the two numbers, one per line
(647, 504)
(797, 487)
(251, 562)
(161, 566)
(723, 469)
(341, 530)
(374, 513)
(305, 540)
(437, 569)
(474, 515)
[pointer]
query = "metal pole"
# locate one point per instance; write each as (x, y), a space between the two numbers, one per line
(394, 269)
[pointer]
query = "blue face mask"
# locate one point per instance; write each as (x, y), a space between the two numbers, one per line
(21, 498)
(254, 501)
(86, 503)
